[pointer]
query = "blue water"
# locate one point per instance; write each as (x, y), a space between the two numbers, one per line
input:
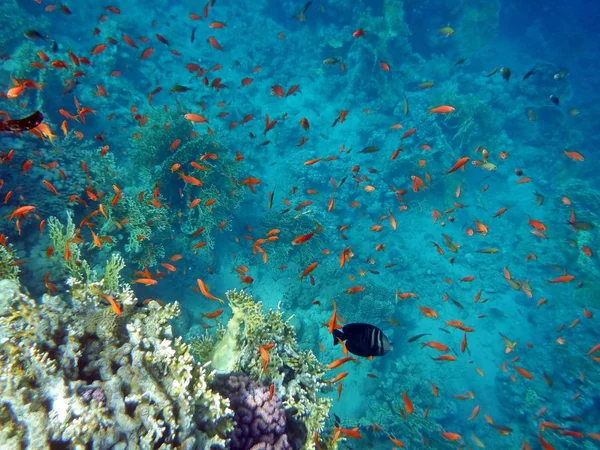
(261, 40)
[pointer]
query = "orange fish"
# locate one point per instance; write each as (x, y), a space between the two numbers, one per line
(524, 373)
(204, 291)
(575, 156)
(428, 312)
(444, 109)
(197, 118)
(116, 308)
(147, 53)
(213, 315)
(338, 362)
(339, 377)
(50, 187)
(309, 269)
(355, 289)
(460, 163)
(214, 43)
(408, 405)
(144, 281)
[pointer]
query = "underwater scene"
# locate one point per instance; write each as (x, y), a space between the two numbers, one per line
(290, 224)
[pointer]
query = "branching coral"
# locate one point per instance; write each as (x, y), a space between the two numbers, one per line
(66, 249)
(145, 222)
(203, 346)
(8, 268)
(131, 386)
(112, 280)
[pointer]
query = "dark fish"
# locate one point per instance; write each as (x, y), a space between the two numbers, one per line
(54, 47)
(180, 88)
(370, 149)
(571, 419)
(444, 330)
(70, 86)
(531, 72)
(492, 72)
(33, 35)
(554, 99)
(342, 181)
(457, 304)
(459, 61)
(330, 61)
(505, 72)
(418, 336)
(194, 34)
(503, 430)
(301, 15)
(25, 124)
(539, 198)
(271, 194)
(336, 420)
(580, 225)
(363, 339)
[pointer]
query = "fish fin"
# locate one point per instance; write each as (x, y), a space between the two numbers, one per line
(337, 334)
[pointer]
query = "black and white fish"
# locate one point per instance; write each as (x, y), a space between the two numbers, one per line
(363, 339)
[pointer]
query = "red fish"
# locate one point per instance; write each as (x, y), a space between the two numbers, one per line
(215, 44)
(460, 163)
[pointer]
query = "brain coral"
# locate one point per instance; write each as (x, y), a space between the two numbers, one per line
(261, 421)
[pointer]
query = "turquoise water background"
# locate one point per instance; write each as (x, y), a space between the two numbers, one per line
(260, 181)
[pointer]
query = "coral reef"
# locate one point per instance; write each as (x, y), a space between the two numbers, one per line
(477, 25)
(8, 268)
(64, 242)
(94, 378)
(297, 376)
(261, 419)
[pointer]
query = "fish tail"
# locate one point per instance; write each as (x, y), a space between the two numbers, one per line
(337, 336)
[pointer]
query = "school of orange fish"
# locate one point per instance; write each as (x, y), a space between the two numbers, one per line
(96, 204)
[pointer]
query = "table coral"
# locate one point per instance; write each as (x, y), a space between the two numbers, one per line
(93, 382)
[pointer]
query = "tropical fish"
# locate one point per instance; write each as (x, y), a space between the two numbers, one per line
(363, 339)
(25, 124)
(301, 16)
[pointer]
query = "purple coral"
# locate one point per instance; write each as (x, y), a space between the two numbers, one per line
(261, 424)
(95, 393)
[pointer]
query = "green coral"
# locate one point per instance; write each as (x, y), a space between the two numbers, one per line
(112, 279)
(8, 268)
(85, 283)
(203, 346)
(249, 329)
(64, 244)
(156, 162)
